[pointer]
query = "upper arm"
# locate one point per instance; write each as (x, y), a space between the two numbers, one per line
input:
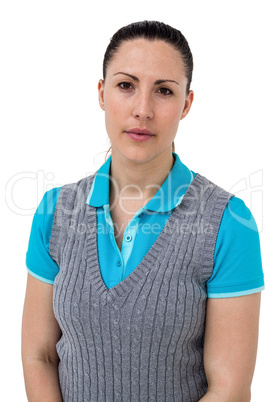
(38, 260)
(230, 346)
(40, 330)
(237, 265)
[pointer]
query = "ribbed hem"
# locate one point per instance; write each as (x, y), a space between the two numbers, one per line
(235, 294)
(40, 277)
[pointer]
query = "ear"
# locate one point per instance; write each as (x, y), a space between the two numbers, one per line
(101, 93)
(188, 103)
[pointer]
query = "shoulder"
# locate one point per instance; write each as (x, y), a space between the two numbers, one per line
(212, 199)
(44, 213)
(236, 211)
(208, 189)
(238, 226)
(77, 192)
(54, 199)
(48, 202)
(238, 214)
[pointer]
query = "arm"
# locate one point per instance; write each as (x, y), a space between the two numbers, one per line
(230, 347)
(40, 333)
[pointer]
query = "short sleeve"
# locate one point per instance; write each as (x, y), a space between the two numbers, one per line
(38, 260)
(237, 267)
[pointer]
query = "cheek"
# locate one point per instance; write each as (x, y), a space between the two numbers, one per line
(114, 116)
(114, 108)
(172, 115)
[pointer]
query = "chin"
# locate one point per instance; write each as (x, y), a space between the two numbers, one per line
(137, 155)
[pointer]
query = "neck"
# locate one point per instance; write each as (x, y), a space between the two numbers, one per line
(140, 180)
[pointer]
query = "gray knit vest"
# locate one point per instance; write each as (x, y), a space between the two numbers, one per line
(141, 340)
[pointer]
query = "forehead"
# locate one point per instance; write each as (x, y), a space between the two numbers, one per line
(143, 55)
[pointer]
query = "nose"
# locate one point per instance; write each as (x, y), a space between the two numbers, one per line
(143, 109)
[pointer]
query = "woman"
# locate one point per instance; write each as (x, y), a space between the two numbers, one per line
(156, 282)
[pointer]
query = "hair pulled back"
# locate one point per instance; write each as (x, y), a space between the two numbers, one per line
(151, 30)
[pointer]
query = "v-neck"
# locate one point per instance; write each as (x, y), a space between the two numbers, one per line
(115, 293)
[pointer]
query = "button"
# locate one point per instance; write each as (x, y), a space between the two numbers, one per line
(140, 215)
(118, 263)
(128, 237)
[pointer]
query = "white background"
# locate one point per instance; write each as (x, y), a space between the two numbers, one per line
(52, 129)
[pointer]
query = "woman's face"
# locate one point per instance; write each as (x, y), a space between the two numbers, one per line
(144, 89)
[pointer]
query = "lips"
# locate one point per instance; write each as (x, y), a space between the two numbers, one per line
(139, 135)
(140, 131)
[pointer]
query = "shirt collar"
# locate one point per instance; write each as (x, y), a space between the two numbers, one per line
(168, 196)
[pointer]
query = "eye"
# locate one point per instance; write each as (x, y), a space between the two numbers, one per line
(165, 91)
(125, 85)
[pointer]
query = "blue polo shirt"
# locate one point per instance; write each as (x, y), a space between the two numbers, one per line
(237, 259)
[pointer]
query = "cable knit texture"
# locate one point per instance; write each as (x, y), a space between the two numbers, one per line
(141, 340)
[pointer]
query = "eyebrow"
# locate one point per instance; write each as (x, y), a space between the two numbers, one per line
(157, 82)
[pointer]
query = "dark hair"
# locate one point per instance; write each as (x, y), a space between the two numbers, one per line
(151, 30)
